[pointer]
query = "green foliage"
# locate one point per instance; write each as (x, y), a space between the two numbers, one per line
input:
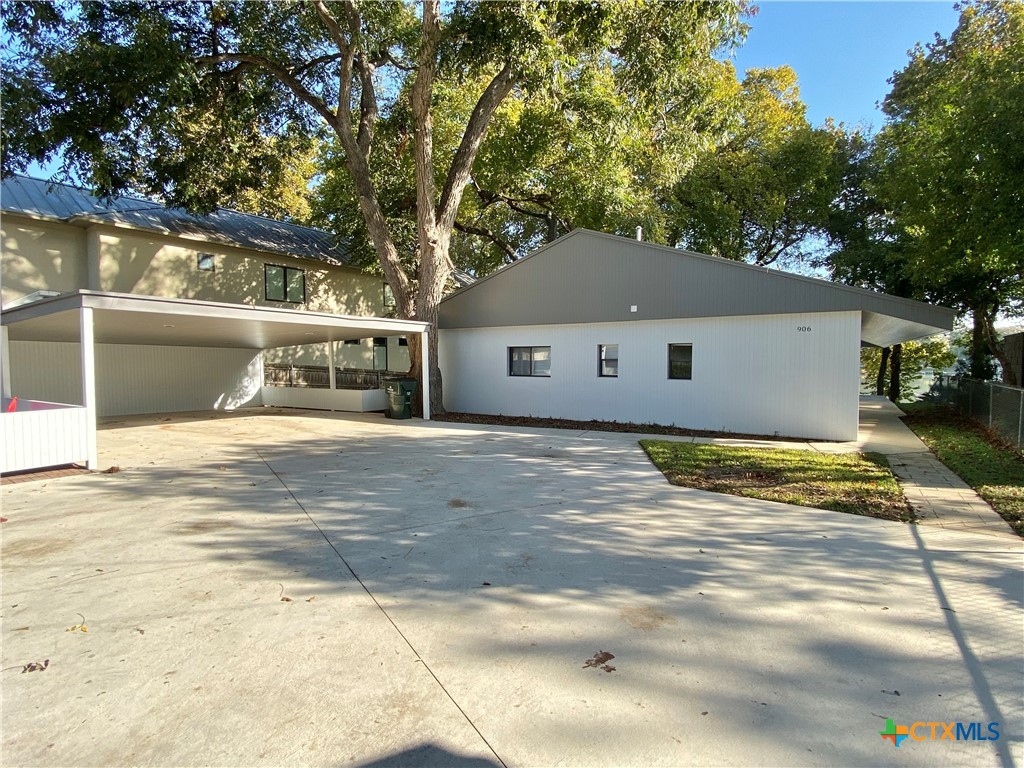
(992, 469)
(859, 484)
(951, 161)
(187, 102)
(918, 357)
(763, 190)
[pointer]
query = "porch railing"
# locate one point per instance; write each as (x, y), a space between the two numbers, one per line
(316, 377)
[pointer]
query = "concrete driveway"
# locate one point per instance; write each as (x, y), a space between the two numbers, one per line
(294, 588)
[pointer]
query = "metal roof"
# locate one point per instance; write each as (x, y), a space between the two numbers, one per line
(591, 277)
(63, 202)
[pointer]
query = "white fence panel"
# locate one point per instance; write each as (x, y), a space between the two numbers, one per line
(43, 435)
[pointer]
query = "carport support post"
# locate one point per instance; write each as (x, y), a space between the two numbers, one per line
(331, 375)
(425, 365)
(5, 363)
(88, 384)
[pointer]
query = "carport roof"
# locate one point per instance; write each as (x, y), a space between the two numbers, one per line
(131, 319)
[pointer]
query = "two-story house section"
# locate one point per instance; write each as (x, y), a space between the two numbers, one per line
(58, 238)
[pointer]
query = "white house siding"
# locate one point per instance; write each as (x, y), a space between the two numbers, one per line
(139, 379)
(760, 374)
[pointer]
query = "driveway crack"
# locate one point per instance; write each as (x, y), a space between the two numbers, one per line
(382, 609)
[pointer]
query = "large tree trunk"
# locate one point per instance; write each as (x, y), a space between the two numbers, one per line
(895, 360)
(988, 331)
(883, 366)
(979, 347)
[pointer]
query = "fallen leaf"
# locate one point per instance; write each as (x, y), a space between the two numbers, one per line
(286, 599)
(77, 628)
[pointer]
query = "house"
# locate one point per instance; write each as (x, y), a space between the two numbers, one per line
(594, 326)
(123, 306)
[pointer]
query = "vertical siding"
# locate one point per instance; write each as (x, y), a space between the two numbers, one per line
(750, 374)
(139, 379)
(45, 438)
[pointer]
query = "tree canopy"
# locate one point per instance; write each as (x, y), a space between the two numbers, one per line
(950, 165)
(764, 189)
(191, 101)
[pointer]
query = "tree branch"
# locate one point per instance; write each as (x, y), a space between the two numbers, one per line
(469, 229)
(462, 163)
(281, 73)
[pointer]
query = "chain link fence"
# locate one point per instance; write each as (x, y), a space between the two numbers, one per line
(997, 406)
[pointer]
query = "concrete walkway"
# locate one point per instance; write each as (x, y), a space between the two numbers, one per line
(935, 492)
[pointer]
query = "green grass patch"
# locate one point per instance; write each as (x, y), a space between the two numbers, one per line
(991, 467)
(856, 483)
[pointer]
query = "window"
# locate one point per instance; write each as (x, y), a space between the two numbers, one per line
(389, 299)
(529, 361)
(380, 353)
(353, 341)
(284, 283)
(205, 262)
(608, 360)
(680, 361)
(403, 342)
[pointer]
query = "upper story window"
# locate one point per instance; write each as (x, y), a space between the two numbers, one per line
(389, 299)
(529, 361)
(284, 283)
(680, 361)
(205, 262)
(608, 360)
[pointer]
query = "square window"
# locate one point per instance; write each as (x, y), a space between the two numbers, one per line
(608, 360)
(529, 361)
(680, 361)
(284, 283)
(403, 342)
(205, 262)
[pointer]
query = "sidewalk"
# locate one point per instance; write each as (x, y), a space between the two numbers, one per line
(937, 495)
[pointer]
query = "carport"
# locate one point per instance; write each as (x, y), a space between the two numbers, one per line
(95, 317)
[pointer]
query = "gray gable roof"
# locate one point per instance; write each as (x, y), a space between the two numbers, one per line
(591, 277)
(62, 202)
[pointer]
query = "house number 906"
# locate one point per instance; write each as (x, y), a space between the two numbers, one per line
(804, 328)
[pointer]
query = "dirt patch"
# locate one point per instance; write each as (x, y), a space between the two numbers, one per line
(206, 526)
(458, 503)
(600, 661)
(646, 619)
(36, 548)
(603, 426)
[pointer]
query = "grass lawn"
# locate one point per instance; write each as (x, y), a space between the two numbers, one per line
(860, 484)
(991, 468)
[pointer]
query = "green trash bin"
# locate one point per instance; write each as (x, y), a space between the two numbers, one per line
(400, 392)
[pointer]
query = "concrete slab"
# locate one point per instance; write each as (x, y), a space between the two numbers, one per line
(467, 586)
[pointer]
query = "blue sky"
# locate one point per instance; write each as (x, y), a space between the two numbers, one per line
(842, 52)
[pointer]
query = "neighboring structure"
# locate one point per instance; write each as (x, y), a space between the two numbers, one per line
(594, 326)
(1013, 348)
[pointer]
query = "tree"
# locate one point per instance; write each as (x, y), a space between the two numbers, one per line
(763, 190)
(118, 86)
(952, 165)
(916, 358)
